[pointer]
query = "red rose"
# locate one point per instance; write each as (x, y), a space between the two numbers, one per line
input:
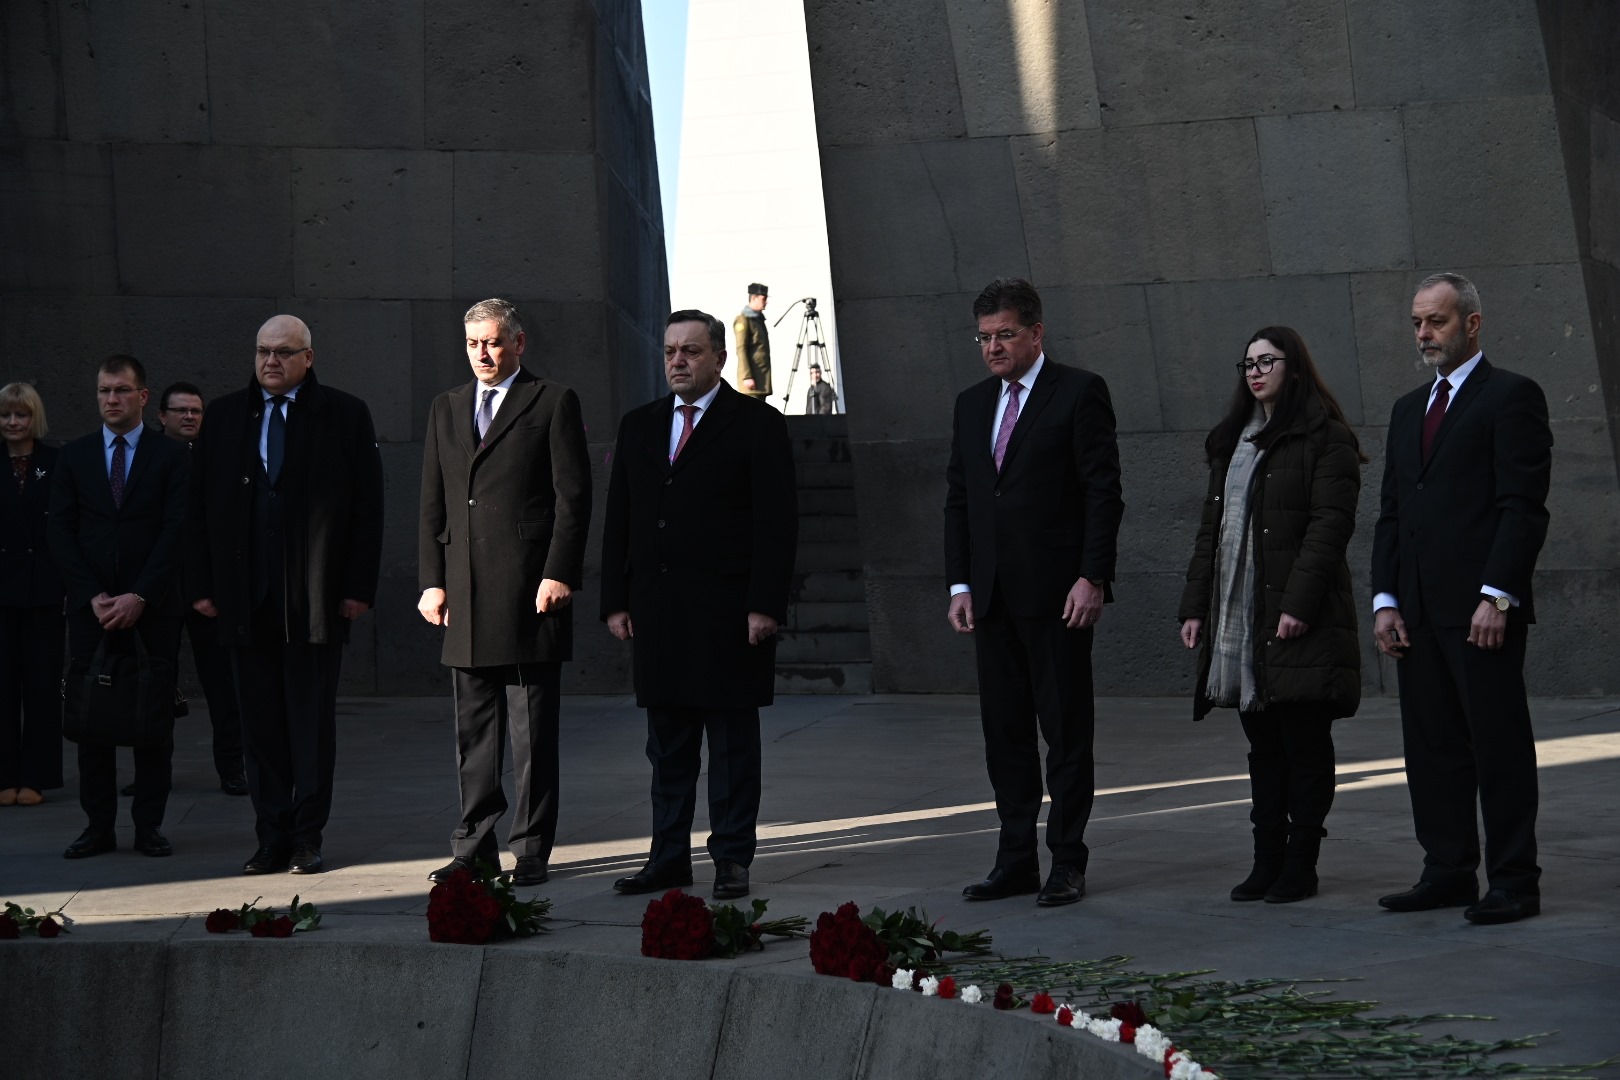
(48, 927)
(1041, 1003)
(221, 921)
(1128, 1012)
(8, 928)
(260, 928)
(281, 926)
(1127, 1033)
(1004, 998)
(1065, 1016)
(677, 927)
(947, 987)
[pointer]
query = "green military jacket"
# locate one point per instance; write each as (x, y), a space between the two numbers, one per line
(753, 353)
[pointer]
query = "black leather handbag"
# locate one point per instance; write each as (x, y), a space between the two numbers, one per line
(121, 698)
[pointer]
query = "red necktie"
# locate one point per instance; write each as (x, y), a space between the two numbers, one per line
(1436, 413)
(687, 413)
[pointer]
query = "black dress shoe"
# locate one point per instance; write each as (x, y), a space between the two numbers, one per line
(233, 785)
(306, 860)
(730, 880)
(1003, 883)
(91, 842)
(127, 790)
(1428, 895)
(1503, 906)
(460, 862)
(1064, 885)
(149, 840)
(529, 871)
(269, 859)
(653, 878)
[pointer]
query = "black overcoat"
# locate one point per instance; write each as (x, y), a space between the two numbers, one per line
(496, 520)
(332, 484)
(690, 549)
(28, 576)
(1302, 512)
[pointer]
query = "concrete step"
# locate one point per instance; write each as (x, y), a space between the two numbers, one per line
(827, 501)
(827, 615)
(829, 647)
(827, 529)
(824, 474)
(847, 678)
(843, 586)
(821, 450)
(816, 556)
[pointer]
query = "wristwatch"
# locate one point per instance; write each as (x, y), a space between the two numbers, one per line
(1502, 603)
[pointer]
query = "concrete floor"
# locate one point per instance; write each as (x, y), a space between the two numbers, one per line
(884, 800)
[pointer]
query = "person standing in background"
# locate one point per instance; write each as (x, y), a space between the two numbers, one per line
(821, 399)
(753, 344)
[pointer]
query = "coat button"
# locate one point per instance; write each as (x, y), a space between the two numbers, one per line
(244, 479)
(1264, 532)
(662, 569)
(1420, 487)
(668, 480)
(472, 502)
(1217, 498)
(998, 493)
(660, 523)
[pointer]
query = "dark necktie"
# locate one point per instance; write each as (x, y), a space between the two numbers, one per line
(1009, 420)
(119, 470)
(1436, 413)
(275, 440)
(687, 412)
(486, 415)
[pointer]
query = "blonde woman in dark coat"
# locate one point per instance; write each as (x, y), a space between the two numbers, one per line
(1268, 599)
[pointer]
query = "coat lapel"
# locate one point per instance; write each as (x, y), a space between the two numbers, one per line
(722, 411)
(462, 400)
(519, 396)
(1030, 409)
(1471, 388)
(142, 453)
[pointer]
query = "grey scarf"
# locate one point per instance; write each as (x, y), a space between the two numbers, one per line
(1231, 665)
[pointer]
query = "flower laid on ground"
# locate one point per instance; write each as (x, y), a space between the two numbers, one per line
(16, 921)
(476, 907)
(947, 987)
(929, 986)
(876, 947)
(1130, 1012)
(678, 926)
(1005, 998)
(972, 995)
(1065, 1016)
(1042, 1004)
(264, 922)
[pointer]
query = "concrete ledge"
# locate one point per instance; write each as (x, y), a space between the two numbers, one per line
(245, 1008)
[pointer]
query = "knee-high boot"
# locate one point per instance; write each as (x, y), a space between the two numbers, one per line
(1268, 785)
(1310, 795)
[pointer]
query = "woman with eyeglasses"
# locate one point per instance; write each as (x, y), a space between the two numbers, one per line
(1268, 597)
(31, 621)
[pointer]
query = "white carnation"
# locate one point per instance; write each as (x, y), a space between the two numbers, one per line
(930, 986)
(901, 979)
(972, 995)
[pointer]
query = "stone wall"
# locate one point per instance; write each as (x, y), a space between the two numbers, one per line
(1173, 177)
(172, 173)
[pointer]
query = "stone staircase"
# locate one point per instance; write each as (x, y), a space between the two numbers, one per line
(825, 647)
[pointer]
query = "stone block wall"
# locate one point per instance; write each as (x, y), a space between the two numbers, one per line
(1172, 177)
(172, 173)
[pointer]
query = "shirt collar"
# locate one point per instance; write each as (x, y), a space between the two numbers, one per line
(703, 402)
(290, 395)
(1463, 371)
(1027, 379)
(131, 437)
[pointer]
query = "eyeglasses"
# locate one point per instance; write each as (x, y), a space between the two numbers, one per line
(999, 335)
(280, 354)
(1265, 362)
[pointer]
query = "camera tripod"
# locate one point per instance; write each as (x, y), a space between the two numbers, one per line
(811, 336)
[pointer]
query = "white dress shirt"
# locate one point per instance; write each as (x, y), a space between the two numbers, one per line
(1456, 379)
(264, 423)
(500, 389)
(1027, 381)
(677, 420)
(132, 437)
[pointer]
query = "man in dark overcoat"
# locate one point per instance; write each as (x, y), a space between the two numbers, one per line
(697, 561)
(506, 502)
(117, 513)
(286, 543)
(1463, 515)
(1032, 515)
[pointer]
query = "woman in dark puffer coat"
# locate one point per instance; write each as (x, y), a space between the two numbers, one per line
(1268, 596)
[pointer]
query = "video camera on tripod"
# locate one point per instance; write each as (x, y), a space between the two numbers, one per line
(811, 335)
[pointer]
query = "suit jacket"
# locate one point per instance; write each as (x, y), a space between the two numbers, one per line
(331, 492)
(690, 549)
(496, 520)
(28, 576)
(1051, 516)
(102, 548)
(1476, 514)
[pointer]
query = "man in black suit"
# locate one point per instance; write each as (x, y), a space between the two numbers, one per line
(697, 560)
(286, 544)
(506, 502)
(117, 512)
(1462, 519)
(180, 415)
(1032, 519)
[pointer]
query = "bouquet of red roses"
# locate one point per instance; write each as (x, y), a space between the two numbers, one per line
(870, 949)
(264, 922)
(678, 926)
(470, 908)
(16, 920)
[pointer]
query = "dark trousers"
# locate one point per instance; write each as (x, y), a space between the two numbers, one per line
(98, 762)
(289, 736)
(525, 700)
(31, 697)
(1037, 672)
(1291, 772)
(674, 746)
(1466, 723)
(213, 662)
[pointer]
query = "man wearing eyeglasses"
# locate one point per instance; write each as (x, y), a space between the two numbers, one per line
(286, 541)
(180, 415)
(1032, 519)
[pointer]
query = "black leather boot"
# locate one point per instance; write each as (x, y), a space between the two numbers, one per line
(1298, 878)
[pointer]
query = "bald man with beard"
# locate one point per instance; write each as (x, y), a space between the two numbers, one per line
(285, 543)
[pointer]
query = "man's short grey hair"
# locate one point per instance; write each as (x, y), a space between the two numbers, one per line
(717, 329)
(502, 312)
(1467, 292)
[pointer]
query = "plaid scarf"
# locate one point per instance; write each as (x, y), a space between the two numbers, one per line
(1231, 665)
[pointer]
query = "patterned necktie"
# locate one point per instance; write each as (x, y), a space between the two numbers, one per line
(486, 415)
(1009, 419)
(275, 439)
(1436, 413)
(119, 465)
(687, 413)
